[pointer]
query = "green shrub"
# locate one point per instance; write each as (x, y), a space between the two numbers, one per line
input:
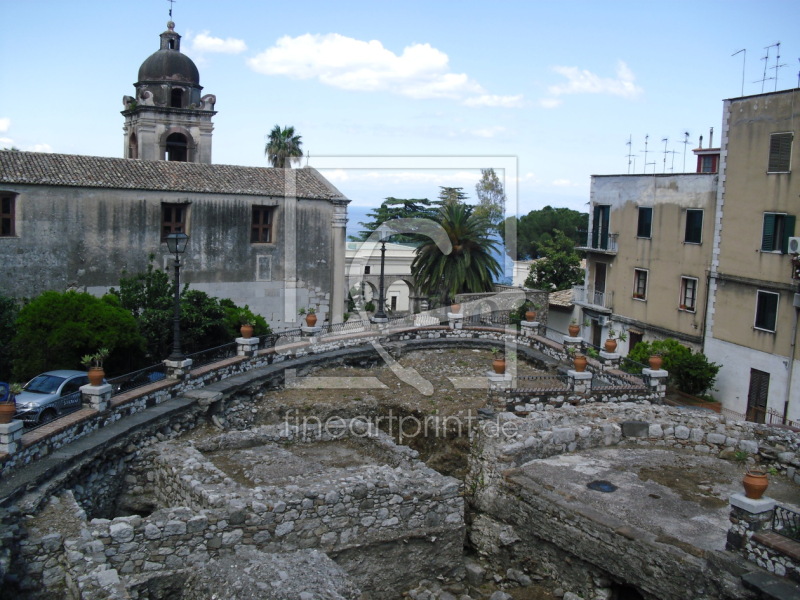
(690, 372)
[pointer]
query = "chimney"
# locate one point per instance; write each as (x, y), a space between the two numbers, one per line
(711, 138)
(701, 142)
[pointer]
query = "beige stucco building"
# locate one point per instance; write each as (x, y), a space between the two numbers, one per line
(753, 307)
(704, 258)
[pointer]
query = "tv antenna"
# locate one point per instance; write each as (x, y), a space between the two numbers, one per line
(765, 58)
(685, 143)
(646, 137)
(744, 59)
(630, 156)
(777, 66)
(666, 141)
(171, 2)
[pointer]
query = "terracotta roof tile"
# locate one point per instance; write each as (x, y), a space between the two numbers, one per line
(37, 168)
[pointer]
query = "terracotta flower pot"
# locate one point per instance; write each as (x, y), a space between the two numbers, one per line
(611, 345)
(530, 315)
(96, 375)
(579, 362)
(455, 309)
(755, 483)
(246, 331)
(655, 362)
(574, 330)
(311, 320)
(499, 365)
(7, 411)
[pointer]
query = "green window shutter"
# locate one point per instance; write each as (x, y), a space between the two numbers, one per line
(788, 231)
(768, 233)
(780, 152)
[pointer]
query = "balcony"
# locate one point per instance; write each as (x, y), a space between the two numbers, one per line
(589, 297)
(600, 242)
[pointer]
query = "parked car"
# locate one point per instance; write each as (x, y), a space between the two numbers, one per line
(50, 395)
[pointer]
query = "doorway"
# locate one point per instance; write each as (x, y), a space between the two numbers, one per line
(757, 396)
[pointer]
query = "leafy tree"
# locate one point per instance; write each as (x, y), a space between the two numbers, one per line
(8, 316)
(538, 226)
(560, 265)
(283, 147)
(451, 195)
(491, 198)
(469, 267)
(398, 208)
(689, 371)
(236, 316)
(56, 329)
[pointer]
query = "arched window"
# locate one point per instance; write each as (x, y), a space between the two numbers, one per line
(177, 148)
(133, 146)
(176, 100)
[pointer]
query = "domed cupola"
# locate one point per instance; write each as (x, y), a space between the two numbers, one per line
(168, 119)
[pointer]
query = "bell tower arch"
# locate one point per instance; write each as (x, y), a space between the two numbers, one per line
(168, 119)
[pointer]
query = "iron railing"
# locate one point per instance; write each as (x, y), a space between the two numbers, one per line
(211, 355)
(539, 384)
(583, 294)
(64, 405)
(786, 523)
(137, 379)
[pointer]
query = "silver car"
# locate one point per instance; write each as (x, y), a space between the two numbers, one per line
(50, 395)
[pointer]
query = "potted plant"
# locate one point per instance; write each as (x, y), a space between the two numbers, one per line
(530, 313)
(655, 361)
(755, 482)
(574, 328)
(455, 308)
(94, 364)
(578, 360)
(310, 314)
(246, 323)
(611, 343)
(499, 361)
(8, 403)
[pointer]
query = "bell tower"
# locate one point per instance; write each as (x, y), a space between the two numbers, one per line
(167, 119)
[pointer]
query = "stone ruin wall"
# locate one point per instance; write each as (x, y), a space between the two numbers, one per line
(371, 521)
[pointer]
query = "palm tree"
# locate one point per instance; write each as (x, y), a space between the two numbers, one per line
(470, 267)
(283, 146)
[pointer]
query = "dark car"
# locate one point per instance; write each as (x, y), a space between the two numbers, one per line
(50, 395)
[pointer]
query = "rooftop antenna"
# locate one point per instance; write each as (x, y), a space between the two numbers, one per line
(646, 137)
(777, 66)
(628, 144)
(744, 59)
(171, 2)
(765, 58)
(685, 143)
(672, 166)
(666, 141)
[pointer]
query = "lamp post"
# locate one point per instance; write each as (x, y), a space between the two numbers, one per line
(384, 233)
(176, 242)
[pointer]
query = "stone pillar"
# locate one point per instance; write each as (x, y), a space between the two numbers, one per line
(657, 381)
(97, 396)
(610, 360)
(310, 332)
(747, 517)
(580, 382)
(246, 346)
(456, 320)
(338, 267)
(178, 369)
(529, 328)
(11, 436)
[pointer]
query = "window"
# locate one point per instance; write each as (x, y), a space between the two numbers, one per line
(176, 98)
(640, 284)
(7, 228)
(688, 293)
(780, 153)
(645, 227)
(173, 219)
(708, 164)
(177, 147)
(261, 227)
(766, 310)
(694, 226)
(777, 230)
(366, 270)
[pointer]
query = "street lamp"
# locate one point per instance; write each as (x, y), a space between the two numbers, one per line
(176, 242)
(384, 233)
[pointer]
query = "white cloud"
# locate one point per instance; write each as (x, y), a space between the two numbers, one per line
(203, 42)
(5, 123)
(494, 100)
(40, 148)
(420, 71)
(550, 102)
(488, 132)
(6, 142)
(585, 82)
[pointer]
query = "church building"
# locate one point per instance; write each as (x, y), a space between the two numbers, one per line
(270, 238)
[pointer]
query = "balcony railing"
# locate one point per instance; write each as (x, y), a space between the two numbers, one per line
(590, 296)
(603, 242)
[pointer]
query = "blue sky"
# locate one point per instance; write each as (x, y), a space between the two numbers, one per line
(558, 87)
